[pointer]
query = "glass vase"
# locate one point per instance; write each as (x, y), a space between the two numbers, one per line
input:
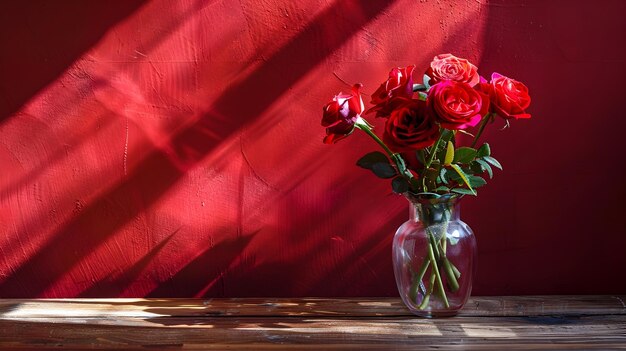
(434, 257)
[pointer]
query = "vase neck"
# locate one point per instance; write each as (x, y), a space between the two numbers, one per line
(434, 212)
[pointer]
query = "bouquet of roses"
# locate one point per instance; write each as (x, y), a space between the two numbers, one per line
(424, 162)
(421, 155)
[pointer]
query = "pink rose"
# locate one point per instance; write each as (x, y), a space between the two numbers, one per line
(509, 98)
(409, 127)
(450, 67)
(456, 105)
(341, 114)
(399, 84)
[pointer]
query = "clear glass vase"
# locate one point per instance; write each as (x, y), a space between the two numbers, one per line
(434, 257)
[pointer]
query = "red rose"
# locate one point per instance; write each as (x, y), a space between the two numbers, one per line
(399, 84)
(409, 127)
(456, 105)
(450, 67)
(341, 114)
(509, 98)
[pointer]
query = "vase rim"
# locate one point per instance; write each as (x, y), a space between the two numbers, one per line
(431, 198)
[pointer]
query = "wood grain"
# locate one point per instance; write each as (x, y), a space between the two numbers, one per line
(496, 323)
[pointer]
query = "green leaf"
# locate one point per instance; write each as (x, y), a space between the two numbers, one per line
(428, 194)
(476, 168)
(442, 175)
(453, 176)
(484, 150)
(399, 161)
(399, 185)
(430, 178)
(493, 161)
(459, 171)
(419, 87)
(383, 170)
(464, 155)
(443, 188)
(476, 181)
(426, 79)
(422, 95)
(486, 167)
(463, 191)
(372, 158)
(447, 135)
(449, 154)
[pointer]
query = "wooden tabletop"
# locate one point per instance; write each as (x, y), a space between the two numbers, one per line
(486, 323)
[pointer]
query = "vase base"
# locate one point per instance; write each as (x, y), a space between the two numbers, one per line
(435, 314)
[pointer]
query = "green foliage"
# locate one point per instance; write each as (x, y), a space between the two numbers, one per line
(442, 175)
(442, 188)
(425, 81)
(464, 155)
(378, 163)
(463, 177)
(451, 170)
(449, 154)
(371, 159)
(463, 191)
(476, 181)
(485, 167)
(483, 151)
(399, 185)
(493, 162)
(384, 170)
(430, 178)
(419, 87)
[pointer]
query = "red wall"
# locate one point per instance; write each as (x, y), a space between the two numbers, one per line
(173, 148)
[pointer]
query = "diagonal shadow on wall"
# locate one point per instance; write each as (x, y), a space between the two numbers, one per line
(115, 285)
(159, 170)
(212, 262)
(36, 45)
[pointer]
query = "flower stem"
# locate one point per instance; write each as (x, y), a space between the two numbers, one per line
(426, 298)
(363, 125)
(433, 150)
(481, 128)
(439, 282)
(417, 279)
(440, 252)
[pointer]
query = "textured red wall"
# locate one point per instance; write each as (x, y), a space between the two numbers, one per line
(173, 148)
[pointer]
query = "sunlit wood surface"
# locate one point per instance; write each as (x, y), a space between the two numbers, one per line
(493, 323)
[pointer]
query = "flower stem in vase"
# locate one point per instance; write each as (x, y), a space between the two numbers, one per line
(426, 298)
(452, 273)
(417, 280)
(435, 268)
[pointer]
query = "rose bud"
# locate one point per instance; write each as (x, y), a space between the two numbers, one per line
(341, 114)
(399, 84)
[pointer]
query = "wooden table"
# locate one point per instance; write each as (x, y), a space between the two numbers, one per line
(492, 323)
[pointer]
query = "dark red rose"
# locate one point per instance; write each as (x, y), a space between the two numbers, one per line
(450, 67)
(341, 114)
(456, 105)
(409, 127)
(509, 98)
(399, 84)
